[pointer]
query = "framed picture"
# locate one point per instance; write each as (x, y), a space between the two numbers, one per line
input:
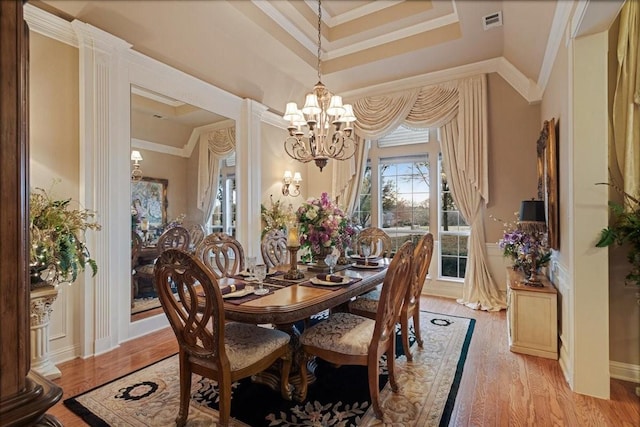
(547, 167)
(149, 198)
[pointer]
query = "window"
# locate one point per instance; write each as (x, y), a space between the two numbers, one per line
(405, 192)
(454, 232)
(224, 210)
(405, 199)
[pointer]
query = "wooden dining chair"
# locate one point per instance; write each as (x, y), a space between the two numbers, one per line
(209, 346)
(349, 339)
(367, 304)
(136, 247)
(222, 254)
(379, 240)
(172, 238)
(274, 248)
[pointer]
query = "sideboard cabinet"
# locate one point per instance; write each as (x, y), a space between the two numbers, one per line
(532, 316)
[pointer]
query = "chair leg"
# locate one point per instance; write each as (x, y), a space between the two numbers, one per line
(391, 365)
(374, 384)
(224, 408)
(416, 325)
(185, 390)
(404, 327)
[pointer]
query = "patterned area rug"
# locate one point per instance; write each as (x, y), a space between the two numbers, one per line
(339, 397)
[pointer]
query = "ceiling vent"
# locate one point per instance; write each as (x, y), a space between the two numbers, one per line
(492, 20)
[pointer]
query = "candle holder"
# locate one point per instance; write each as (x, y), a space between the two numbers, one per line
(293, 273)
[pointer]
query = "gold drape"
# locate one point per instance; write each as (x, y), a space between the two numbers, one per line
(626, 103)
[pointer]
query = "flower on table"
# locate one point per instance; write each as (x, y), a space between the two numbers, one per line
(323, 224)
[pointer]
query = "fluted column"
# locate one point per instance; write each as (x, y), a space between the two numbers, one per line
(42, 300)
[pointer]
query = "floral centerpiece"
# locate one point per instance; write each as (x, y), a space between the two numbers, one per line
(276, 216)
(524, 247)
(58, 251)
(323, 226)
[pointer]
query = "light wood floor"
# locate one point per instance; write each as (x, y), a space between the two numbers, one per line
(498, 388)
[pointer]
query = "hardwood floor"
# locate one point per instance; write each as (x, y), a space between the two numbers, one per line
(498, 388)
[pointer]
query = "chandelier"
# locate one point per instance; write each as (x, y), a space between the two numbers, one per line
(322, 129)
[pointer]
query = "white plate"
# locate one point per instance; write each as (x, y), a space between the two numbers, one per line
(242, 292)
(317, 281)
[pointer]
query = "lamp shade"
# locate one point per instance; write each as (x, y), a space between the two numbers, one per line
(532, 211)
(136, 156)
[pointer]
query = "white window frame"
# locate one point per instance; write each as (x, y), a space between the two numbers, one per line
(409, 152)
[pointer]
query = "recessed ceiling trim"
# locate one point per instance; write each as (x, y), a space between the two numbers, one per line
(404, 33)
(561, 18)
(353, 14)
(286, 25)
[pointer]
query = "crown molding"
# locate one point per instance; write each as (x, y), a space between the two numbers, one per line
(158, 148)
(561, 18)
(357, 13)
(49, 25)
(274, 119)
(526, 87)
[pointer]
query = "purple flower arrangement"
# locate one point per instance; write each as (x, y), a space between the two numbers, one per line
(524, 247)
(323, 225)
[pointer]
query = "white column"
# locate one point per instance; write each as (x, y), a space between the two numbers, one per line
(42, 300)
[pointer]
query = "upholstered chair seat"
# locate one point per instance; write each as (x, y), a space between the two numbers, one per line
(342, 332)
(247, 344)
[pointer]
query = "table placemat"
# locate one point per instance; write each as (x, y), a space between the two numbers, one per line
(246, 298)
(333, 288)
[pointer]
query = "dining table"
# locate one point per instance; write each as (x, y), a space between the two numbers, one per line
(290, 302)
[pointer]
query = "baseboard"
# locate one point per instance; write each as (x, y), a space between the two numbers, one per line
(624, 371)
(65, 353)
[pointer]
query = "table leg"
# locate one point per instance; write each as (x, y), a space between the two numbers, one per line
(271, 376)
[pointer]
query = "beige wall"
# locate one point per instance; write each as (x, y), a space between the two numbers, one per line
(514, 127)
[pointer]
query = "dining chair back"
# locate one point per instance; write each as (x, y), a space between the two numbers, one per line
(274, 248)
(349, 339)
(367, 304)
(174, 238)
(379, 241)
(196, 235)
(206, 342)
(222, 254)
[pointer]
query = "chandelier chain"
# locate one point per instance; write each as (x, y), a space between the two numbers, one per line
(319, 38)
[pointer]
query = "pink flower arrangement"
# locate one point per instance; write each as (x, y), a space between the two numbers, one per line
(323, 224)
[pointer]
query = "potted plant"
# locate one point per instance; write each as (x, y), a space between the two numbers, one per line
(57, 234)
(624, 229)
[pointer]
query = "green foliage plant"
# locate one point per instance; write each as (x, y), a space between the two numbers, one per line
(57, 235)
(624, 229)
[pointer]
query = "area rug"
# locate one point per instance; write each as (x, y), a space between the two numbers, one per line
(339, 397)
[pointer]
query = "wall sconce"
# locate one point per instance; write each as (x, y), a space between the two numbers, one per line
(136, 173)
(290, 181)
